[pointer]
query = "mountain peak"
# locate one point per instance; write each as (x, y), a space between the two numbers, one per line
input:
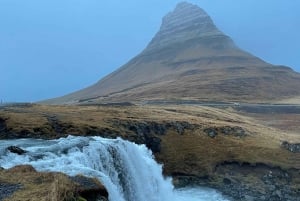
(187, 21)
(190, 59)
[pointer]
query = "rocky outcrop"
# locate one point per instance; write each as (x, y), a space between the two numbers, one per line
(186, 22)
(274, 183)
(226, 130)
(149, 132)
(295, 148)
(236, 180)
(3, 127)
(90, 188)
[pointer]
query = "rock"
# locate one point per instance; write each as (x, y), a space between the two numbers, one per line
(7, 190)
(211, 132)
(295, 148)
(149, 132)
(249, 198)
(180, 126)
(226, 181)
(186, 22)
(235, 131)
(3, 126)
(226, 130)
(278, 193)
(16, 150)
(90, 188)
(153, 143)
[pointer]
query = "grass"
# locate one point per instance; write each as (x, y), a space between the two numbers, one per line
(191, 153)
(261, 145)
(38, 186)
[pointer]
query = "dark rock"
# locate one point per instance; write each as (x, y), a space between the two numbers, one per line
(16, 150)
(7, 190)
(295, 148)
(3, 126)
(149, 132)
(153, 143)
(235, 131)
(90, 188)
(226, 181)
(248, 182)
(180, 126)
(226, 130)
(151, 127)
(211, 132)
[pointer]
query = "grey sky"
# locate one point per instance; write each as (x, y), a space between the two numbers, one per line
(53, 47)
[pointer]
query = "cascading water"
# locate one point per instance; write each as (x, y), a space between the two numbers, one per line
(127, 170)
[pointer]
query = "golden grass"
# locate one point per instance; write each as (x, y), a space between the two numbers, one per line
(194, 152)
(38, 186)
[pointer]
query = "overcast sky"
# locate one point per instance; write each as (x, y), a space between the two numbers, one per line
(49, 48)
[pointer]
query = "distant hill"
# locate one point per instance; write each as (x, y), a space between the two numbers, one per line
(191, 59)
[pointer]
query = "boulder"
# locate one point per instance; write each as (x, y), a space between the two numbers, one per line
(90, 188)
(295, 148)
(16, 150)
(211, 132)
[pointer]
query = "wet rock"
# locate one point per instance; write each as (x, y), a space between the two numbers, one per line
(248, 182)
(16, 150)
(249, 198)
(153, 143)
(90, 188)
(295, 148)
(3, 126)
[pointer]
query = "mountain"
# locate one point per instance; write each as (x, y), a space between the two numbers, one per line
(189, 58)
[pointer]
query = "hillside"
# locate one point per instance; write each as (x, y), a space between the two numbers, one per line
(191, 59)
(197, 145)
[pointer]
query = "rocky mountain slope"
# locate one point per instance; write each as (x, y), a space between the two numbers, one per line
(190, 58)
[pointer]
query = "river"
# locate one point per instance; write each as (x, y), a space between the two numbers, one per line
(127, 170)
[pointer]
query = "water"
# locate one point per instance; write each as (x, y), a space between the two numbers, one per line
(127, 170)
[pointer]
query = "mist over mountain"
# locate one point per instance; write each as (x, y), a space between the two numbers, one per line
(189, 58)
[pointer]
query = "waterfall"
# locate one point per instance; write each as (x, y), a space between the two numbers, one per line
(127, 170)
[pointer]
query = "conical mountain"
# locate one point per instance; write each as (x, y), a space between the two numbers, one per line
(190, 58)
